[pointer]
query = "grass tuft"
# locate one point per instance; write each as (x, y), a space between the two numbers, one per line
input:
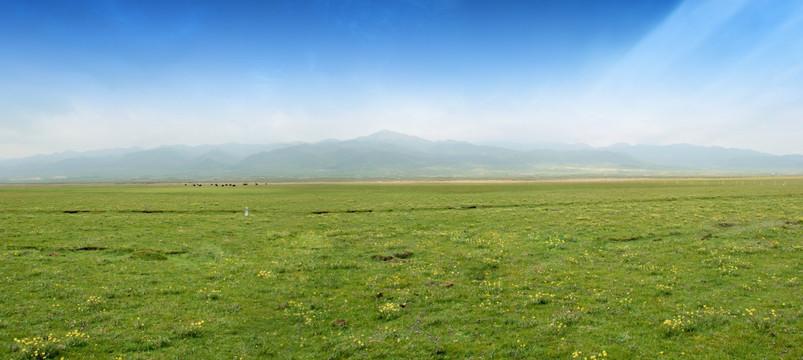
(147, 254)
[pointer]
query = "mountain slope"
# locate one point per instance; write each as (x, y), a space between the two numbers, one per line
(710, 158)
(391, 155)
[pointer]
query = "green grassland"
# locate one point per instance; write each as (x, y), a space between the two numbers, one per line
(702, 268)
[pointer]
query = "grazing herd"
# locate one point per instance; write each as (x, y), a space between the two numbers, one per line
(199, 185)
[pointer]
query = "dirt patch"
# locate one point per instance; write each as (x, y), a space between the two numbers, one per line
(625, 239)
(25, 247)
(89, 248)
(320, 212)
(382, 257)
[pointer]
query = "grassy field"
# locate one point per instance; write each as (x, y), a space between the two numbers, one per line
(703, 268)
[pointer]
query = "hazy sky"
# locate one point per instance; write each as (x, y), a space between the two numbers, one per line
(82, 75)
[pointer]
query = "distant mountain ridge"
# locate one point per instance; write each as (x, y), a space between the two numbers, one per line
(391, 155)
(713, 158)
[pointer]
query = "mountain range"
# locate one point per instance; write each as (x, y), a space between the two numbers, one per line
(391, 155)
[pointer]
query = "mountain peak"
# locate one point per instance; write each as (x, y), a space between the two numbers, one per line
(392, 137)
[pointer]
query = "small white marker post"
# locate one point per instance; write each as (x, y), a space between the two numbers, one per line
(246, 211)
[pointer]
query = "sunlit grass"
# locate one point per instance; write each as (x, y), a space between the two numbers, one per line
(700, 268)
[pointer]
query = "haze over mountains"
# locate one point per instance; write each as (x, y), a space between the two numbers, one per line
(390, 155)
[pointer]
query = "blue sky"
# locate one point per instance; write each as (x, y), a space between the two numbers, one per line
(82, 75)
